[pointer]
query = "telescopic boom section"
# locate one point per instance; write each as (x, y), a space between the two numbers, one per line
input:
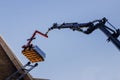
(73, 26)
(33, 36)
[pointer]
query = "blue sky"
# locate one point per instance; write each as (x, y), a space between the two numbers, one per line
(70, 55)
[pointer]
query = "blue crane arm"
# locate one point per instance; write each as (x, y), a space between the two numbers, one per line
(89, 27)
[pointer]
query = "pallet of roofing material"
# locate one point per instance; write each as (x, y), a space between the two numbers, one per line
(34, 53)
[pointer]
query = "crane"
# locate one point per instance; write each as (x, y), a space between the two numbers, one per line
(88, 28)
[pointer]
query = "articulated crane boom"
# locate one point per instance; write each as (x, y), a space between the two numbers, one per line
(89, 27)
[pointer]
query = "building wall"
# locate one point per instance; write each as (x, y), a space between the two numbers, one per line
(6, 65)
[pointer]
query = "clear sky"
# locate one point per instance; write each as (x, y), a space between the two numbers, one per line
(69, 55)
